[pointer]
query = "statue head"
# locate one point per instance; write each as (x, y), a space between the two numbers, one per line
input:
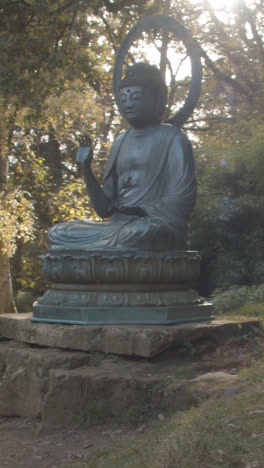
(143, 95)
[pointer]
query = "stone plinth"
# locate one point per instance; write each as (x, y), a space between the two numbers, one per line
(63, 375)
(121, 287)
(137, 340)
(68, 389)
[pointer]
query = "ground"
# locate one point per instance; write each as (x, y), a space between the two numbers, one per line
(22, 448)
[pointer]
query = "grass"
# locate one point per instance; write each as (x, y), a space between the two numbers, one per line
(226, 432)
(240, 300)
(246, 310)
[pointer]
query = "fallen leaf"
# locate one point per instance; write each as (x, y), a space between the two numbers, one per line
(118, 431)
(75, 455)
(87, 446)
(141, 428)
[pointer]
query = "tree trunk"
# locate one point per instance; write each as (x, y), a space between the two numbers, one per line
(6, 293)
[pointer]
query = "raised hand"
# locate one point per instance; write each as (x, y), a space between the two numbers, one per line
(84, 154)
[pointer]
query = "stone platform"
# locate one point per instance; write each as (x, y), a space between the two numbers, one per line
(75, 376)
(127, 340)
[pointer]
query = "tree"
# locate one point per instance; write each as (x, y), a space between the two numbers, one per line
(55, 73)
(45, 48)
(37, 46)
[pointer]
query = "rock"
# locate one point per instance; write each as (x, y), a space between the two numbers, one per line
(93, 395)
(214, 383)
(97, 377)
(24, 376)
(69, 388)
(96, 395)
(129, 340)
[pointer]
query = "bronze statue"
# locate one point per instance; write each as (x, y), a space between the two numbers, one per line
(149, 185)
(135, 268)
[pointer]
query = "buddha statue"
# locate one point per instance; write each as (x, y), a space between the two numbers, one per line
(149, 188)
(134, 268)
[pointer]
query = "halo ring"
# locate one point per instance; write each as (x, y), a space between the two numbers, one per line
(193, 50)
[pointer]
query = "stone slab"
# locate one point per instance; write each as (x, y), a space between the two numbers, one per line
(68, 389)
(95, 396)
(24, 375)
(129, 340)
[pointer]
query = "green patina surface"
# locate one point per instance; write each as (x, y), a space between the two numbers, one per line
(123, 315)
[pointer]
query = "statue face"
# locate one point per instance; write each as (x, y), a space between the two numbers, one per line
(138, 105)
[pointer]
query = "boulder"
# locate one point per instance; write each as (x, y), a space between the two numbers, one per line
(24, 376)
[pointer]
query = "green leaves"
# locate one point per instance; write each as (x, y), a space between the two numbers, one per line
(56, 61)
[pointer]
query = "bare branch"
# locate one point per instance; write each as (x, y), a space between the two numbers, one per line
(223, 76)
(109, 31)
(163, 53)
(253, 28)
(116, 6)
(212, 121)
(64, 7)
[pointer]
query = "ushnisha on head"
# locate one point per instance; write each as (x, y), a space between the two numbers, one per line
(143, 95)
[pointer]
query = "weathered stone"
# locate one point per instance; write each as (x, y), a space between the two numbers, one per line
(24, 376)
(68, 388)
(213, 384)
(137, 340)
(96, 395)
(90, 395)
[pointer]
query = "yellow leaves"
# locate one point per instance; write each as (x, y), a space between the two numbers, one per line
(71, 202)
(42, 194)
(16, 220)
(232, 43)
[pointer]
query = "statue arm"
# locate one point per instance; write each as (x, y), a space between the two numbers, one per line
(101, 203)
(103, 206)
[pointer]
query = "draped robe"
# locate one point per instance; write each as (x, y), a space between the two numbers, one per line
(152, 168)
